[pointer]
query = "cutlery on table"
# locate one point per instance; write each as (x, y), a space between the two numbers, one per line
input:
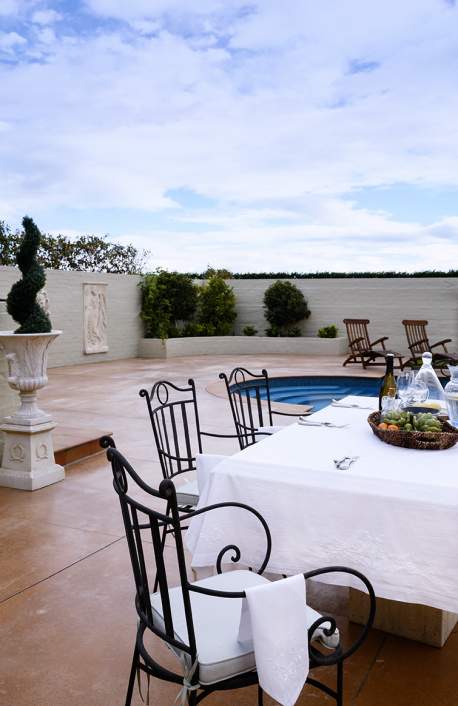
(344, 463)
(337, 403)
(310, 423)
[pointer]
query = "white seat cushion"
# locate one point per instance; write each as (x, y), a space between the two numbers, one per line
(188, 493)
(269, 430)
(216, 625)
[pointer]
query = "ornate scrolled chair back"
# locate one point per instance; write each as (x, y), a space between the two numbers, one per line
(143, 526)
(249, 398)
(176, 427)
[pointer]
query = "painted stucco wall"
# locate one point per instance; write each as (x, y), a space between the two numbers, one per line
(384, 301)
(65, 294)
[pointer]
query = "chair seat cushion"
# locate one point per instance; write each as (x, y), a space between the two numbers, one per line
(188, 493)
(269, 430)
(216, 625)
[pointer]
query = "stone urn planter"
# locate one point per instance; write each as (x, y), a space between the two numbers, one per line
(28, 453)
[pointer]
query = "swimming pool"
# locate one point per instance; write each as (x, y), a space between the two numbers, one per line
(320, 390)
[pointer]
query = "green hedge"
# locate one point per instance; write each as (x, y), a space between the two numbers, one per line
(335, 275)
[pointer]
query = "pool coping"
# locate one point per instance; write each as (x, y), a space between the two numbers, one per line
(218, 389)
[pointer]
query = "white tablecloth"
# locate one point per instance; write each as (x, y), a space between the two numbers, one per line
(393, 515)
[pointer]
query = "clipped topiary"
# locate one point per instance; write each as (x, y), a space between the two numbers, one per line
(284, 307)
(22, 302)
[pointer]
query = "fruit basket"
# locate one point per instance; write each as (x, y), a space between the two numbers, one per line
(427, 440)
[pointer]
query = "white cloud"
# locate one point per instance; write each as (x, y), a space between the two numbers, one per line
(46, 17)
(10, 40)
(257, 109)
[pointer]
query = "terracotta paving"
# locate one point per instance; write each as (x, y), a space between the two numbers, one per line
(67, 620)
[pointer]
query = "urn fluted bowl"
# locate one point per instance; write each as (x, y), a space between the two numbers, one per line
(27, 358)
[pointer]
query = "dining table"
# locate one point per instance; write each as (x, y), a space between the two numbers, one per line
(391, 513)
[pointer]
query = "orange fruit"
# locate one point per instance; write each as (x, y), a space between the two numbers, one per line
(393, 427)
(383, 426)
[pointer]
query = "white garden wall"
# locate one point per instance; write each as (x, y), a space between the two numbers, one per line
(65, 294)
(384, 301)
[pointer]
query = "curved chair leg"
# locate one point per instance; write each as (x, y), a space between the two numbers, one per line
(260, 696)
(133, 671)
(339, 689)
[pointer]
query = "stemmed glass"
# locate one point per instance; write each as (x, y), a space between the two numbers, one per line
(405, 386)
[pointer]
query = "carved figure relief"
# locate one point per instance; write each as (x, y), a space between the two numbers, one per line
(95, 318)
(43, 300)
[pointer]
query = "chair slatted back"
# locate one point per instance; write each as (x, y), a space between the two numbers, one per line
(357, 329)
(175, 421)
(143, 526)
(249, 398)
(417, 338)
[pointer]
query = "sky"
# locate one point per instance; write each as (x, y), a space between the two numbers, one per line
(255, 135)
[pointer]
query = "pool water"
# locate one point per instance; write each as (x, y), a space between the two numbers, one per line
(319, 391)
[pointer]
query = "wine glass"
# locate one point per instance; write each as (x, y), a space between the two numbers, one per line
(404, 383)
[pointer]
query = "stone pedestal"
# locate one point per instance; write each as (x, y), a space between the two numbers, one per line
(415, 622)
(28, 457)
(28, 454)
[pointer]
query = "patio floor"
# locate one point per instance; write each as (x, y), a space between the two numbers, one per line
(66, 593)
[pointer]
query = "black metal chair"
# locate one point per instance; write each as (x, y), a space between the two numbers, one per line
(174, 416)
(193, 616)
(251, 407)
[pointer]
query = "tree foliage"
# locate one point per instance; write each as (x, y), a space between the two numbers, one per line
(22, 302)
(168, 300)
(216, 309)
(173, 306)
(284, 308)
(87, 253)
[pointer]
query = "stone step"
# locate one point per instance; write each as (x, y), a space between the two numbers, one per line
(73, 444)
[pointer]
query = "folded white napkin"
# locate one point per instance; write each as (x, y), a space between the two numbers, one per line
(274, 615)
(205, 463)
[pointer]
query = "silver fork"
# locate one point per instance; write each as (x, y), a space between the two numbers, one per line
(330, 425)
(344, 463)
(338, 403)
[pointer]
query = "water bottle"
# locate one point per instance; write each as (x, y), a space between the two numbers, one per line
(451, 395)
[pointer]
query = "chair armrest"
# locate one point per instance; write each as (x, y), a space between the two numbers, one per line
(441, 343)
(229, 547)
(418, 343)
(355, 341)
(291, 414)
(220, 436)
(379, 340)
(338, 655)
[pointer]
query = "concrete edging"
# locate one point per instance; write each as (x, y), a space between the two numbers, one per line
(240, 345)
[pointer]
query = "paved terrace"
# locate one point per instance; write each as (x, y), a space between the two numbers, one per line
(66, 591)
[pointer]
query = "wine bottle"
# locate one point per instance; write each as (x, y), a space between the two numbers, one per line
(388, 386)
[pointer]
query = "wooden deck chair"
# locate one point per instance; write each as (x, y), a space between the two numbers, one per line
(362, 349)
(418, 342)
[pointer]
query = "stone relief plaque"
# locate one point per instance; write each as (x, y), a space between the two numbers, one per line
(95, 318)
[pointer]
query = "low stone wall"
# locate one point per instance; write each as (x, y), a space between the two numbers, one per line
(240, 345)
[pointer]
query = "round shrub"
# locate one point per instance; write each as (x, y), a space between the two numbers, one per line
(249, 331)
(328, 331)
(284, 307)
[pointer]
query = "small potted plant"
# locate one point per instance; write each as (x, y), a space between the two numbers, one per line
(28, 457)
